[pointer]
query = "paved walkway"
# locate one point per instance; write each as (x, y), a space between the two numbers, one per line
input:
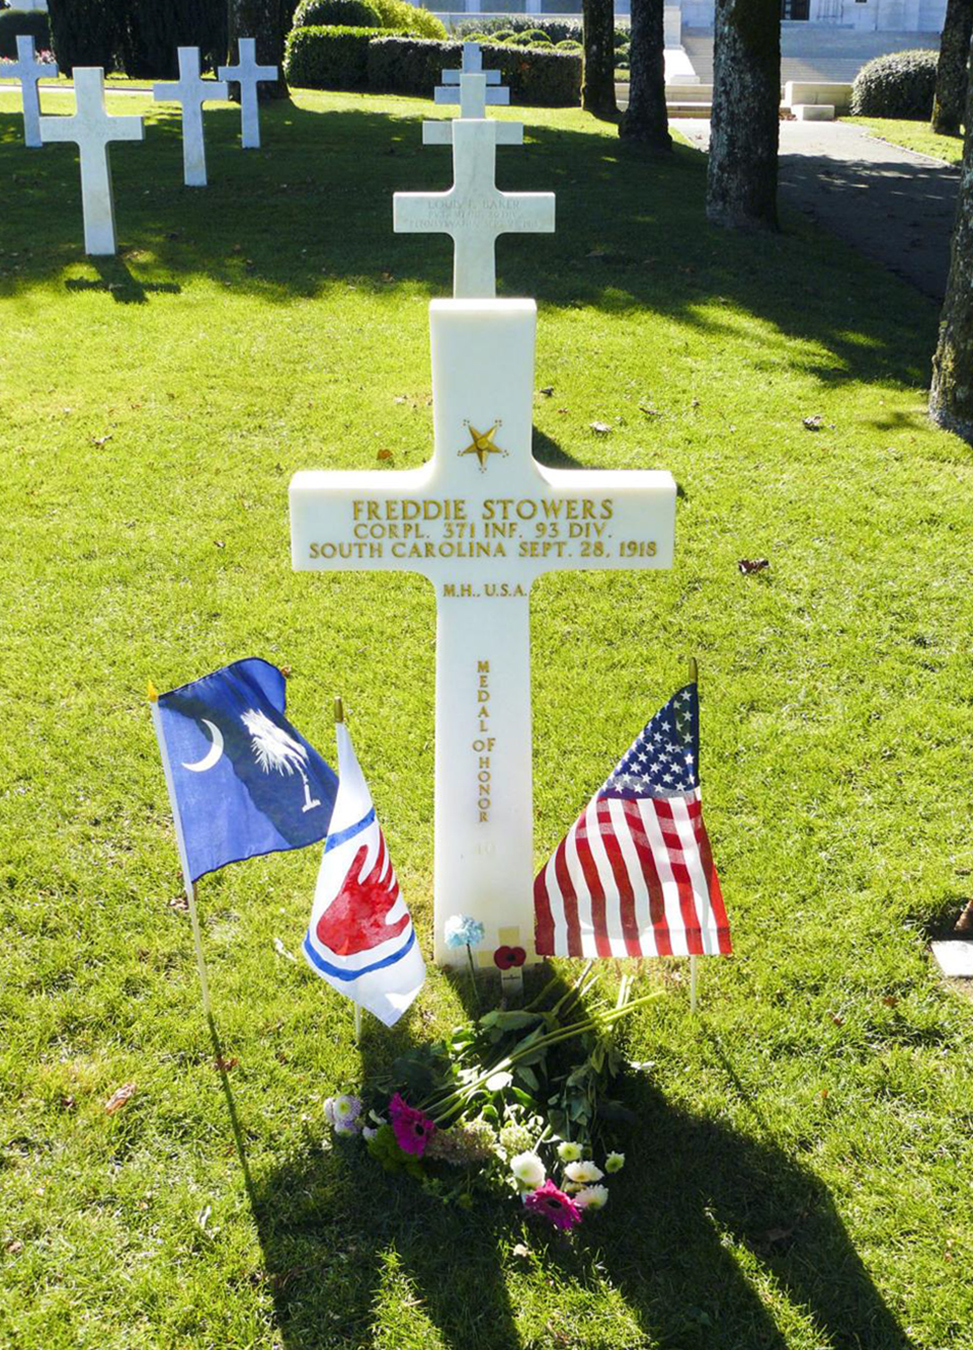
(814, 51)
(894, 205)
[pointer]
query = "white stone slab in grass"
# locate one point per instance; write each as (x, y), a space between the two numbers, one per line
(191, 91)
(28, 70)
(247, 74)
(474, 211)
(92, 130)
(482, 520)
(955, 958)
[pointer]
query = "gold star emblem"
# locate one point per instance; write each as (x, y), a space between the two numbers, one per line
(482, 445)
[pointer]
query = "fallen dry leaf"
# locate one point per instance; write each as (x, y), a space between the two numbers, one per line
(67, 1103)
(384, 454)
(400, 398)
(890, 1000)
(179, 902)
(285, 671)
(14, 1246)
(100, 440)
(547, 391)
(600, 428)
(119, 1098)
(225, 1065)
(778, 1234)
(748, 565)
(813, 423)
(219, 543)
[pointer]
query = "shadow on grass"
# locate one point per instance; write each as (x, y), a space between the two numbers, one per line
(118, 281)
(710, 1213)
(312, 211)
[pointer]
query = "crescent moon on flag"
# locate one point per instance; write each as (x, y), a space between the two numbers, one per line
(213, 754)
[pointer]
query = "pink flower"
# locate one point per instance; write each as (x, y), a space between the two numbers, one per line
(412, 1129)
(554, 1206)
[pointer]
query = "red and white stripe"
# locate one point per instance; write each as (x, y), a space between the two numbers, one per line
(632, 878)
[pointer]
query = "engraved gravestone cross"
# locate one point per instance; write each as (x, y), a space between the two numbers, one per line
(191, 91)
(474, 211)
(481, 520)
(247, 74)
(470, 83)
(28, 70)
(92, 129)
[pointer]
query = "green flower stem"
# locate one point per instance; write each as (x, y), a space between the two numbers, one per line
(476, 992)
(441, 1108)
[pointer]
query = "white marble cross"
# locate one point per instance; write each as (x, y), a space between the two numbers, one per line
(247, 74)
(28, 70)
(482, 520)
(92, 129)
(474, 211)
(474, 95)
(191, 92)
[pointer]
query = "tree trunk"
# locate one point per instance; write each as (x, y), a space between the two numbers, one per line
(645, 121)
(269, 22)
(741, 179)
(598, 89)
(954, 55)
(951, 397)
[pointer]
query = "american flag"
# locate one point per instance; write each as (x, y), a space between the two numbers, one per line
(634, 875)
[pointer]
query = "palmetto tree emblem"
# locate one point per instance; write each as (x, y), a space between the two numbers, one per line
(276, 752)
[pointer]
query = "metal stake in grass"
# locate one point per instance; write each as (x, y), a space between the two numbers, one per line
(339, 717)
(693, 679)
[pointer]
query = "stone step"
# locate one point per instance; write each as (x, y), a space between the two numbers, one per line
(813, 112)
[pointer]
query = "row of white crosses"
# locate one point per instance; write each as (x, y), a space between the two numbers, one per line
(481, 520)
(93, 129)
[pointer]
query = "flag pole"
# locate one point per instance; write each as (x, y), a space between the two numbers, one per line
(339, 717)
(188, 883)
(693, 678)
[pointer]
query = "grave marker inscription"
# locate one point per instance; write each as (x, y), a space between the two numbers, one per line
(481, 521)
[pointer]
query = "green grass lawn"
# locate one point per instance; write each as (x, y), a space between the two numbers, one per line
(801, 1173)
(913, 136)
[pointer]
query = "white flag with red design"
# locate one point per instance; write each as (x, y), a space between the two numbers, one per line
(360, 938)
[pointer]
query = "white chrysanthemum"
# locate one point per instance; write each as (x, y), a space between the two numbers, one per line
(568, 1152)
(614, 1162)
(529, 1171)
(347, 1128)
(329, 1110)
(346, 1108)
(592, 1197)
(583, 1172)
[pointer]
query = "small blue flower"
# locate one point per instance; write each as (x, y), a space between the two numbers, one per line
(462, 931)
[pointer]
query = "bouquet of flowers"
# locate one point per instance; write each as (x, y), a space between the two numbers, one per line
(505, 1105)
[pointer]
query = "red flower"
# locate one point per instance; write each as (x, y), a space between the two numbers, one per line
(412, 1129)
(554, 1206)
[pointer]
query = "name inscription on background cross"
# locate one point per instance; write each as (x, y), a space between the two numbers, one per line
(191, 91)
(482, 520)
(474, 211)
(28, 70)
(92, 129)
(247, 74)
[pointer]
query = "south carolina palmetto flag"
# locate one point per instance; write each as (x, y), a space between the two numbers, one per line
(634, 875)
(360, 938)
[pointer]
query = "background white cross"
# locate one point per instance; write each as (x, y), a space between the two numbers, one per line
(247, 74)
(191, 91)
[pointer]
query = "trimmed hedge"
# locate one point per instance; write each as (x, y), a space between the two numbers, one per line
(16, 23)
(338, 13)
(901, 84)
(329, 57)
(534, 75)
(556, 29)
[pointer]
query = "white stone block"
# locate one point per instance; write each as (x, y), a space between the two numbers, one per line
(955, 958)
(812, 91)
(813, 112)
